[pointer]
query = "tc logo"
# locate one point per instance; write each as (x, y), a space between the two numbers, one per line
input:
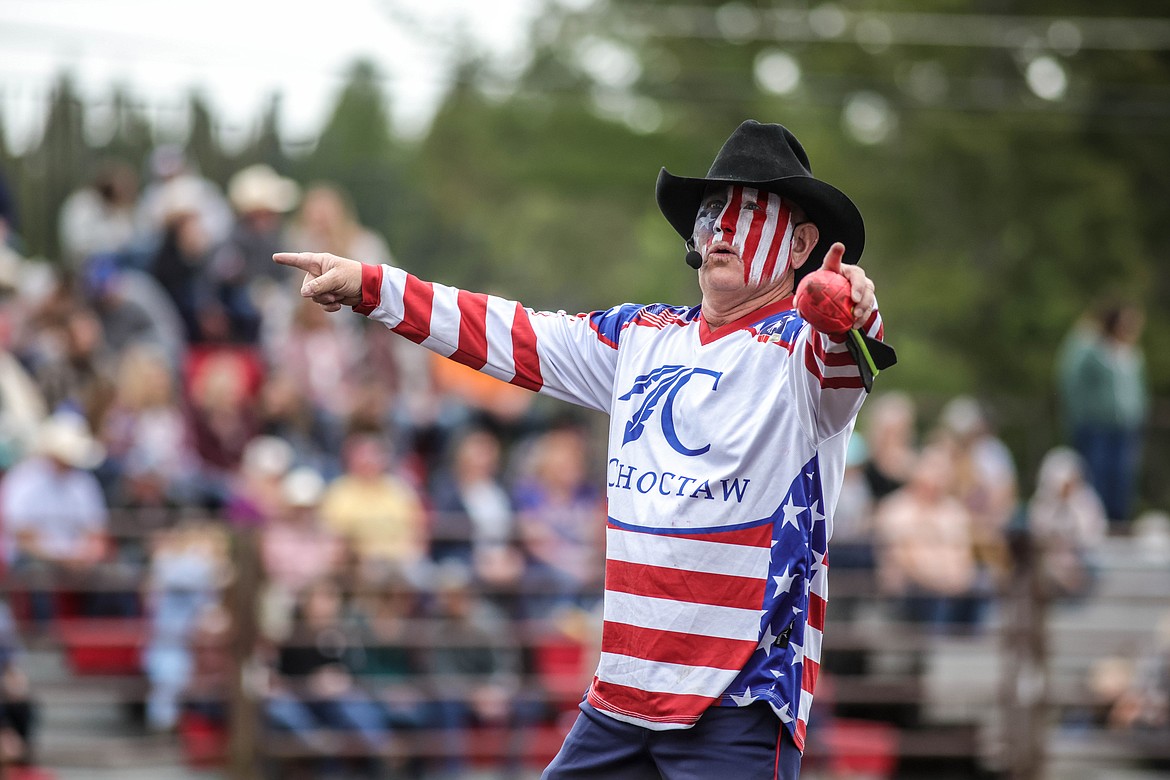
(662, 386)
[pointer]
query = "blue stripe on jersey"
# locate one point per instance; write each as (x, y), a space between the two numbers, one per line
(680, 531)
(609, 324)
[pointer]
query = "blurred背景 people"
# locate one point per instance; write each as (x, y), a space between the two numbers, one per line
(1067, 519)
(925, 553)
(1105, 400)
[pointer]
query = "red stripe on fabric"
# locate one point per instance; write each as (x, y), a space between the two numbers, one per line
(676, 647)
(371, 289)
(779, 741)
(751, 244)
(799, 733)
(873, 315)
(810, 362)
(524, 354)
(816, 611)
(648, 705)
(777, 239)
(809, 675)
(417, 300)
(757, 536)
(842, 383)
(836, 359)
(832, 382)
(660, 582)
(472, 348)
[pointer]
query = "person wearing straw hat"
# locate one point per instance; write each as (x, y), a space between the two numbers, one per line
(729, 427)
(53, 509)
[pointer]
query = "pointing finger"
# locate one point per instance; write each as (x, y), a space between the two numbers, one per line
(306, 261)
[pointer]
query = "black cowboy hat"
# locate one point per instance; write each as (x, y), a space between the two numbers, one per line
(768, 157)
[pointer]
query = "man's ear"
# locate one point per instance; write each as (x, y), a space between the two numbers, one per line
(804, 239)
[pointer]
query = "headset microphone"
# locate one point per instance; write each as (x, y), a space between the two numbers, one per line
(694, 259)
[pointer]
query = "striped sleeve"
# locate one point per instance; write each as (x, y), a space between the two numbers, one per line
(558, 354)
(829, 387)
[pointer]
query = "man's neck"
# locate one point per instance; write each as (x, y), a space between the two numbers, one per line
(719, 310)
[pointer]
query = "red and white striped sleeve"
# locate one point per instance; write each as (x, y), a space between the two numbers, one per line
(829, 387)
(553, 353)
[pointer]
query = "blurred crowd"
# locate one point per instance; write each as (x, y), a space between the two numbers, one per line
(165, 393)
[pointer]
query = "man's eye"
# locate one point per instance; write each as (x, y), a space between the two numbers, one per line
(751, 205)
(713, 205)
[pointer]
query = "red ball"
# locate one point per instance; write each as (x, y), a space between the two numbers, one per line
(825, 300)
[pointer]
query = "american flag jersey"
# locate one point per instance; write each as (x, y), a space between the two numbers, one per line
(726, 453)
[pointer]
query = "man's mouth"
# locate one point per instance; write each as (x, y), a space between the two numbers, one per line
(721, 250)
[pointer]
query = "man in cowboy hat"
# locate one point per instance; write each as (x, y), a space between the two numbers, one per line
(54, 512)
(728, 434)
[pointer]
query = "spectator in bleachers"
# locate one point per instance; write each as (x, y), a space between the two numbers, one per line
(985, 481)
(145, 430)
(256, 495)
(189, 568)
(173, 177)
(98, 217)
(73, 366)
(133, 308)
(180, 264)
(22, 407)
(241, 268)
(323, 355)
(221, 411)
(474, 522)
(1105, 402)
(54, 514)
(475, 663)
(287, 413)
(377, 512)
(890, 440)
(314, 694)
(295, 550)
(1067, 520)
(925, 553)
(558, 510)
(389, 608)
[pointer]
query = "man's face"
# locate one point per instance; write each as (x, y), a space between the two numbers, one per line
(744, 236)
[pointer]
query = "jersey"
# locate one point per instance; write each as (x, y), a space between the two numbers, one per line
(726, 453)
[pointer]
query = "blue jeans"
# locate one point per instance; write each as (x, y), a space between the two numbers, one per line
(1112, 456)
(746, 743)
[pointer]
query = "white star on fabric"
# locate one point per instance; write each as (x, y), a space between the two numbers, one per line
(743, 701)
(819, 569)
(784, 713)
(784, 581)
(792, 514)
(775, 672)
(817, 517)
(797, 610)
(767, 640)
(797, 653)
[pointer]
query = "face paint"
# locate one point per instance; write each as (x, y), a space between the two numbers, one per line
(756, 223)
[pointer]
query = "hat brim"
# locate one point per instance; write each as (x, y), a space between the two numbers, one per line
(834, 214)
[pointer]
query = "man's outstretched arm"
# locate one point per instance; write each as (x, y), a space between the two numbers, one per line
(554, 353)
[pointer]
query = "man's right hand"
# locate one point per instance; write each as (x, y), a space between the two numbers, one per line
(330, 280)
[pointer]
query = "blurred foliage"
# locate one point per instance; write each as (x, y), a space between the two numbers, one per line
(994, 217)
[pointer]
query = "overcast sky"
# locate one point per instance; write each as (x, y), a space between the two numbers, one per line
(240, 51)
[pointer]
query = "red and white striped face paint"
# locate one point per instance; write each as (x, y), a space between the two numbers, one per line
(756, 223)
